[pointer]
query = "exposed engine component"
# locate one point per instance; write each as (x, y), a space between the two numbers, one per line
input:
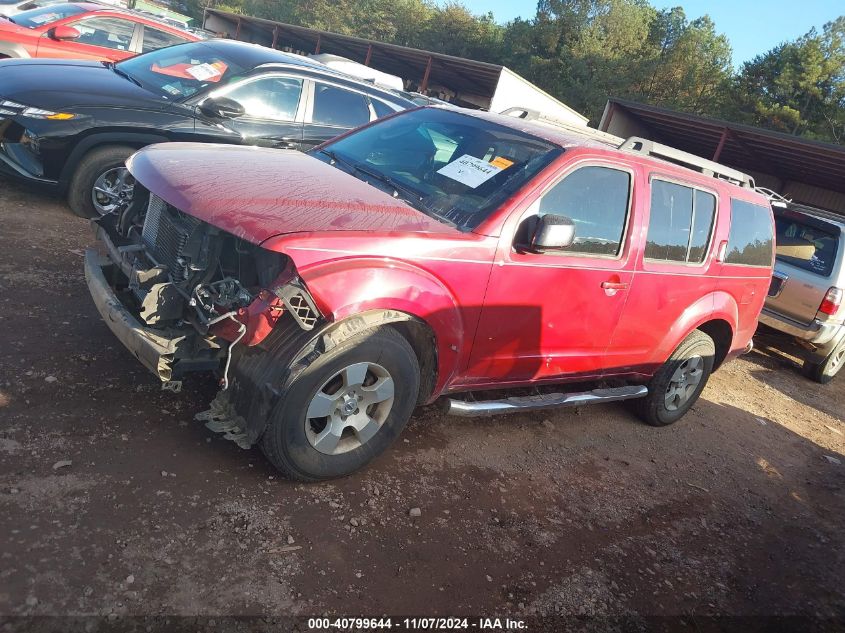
(213, 298)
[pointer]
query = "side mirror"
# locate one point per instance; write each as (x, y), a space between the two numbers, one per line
(553, 232)
(221, 108)
(63, 33)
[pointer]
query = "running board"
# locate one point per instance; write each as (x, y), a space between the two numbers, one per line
(540, 402)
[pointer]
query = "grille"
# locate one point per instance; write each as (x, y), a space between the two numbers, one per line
(165, 233)
(775, 286)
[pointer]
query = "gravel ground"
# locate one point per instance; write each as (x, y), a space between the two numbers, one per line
(114, 501)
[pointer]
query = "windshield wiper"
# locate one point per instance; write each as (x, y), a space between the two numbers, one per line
(384, 178)
(112, 66)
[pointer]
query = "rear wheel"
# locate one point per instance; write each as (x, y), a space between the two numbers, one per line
(101, 182)
(824, 371)
(679, 382)
(345, 409)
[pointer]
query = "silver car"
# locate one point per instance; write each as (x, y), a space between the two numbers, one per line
(806, 292)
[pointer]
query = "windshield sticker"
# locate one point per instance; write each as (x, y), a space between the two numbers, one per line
(171, 89)
(501, 162)
(469, 170)
(203, 72)
(43, 19)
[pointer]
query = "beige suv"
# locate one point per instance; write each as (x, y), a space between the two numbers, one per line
(806, 293)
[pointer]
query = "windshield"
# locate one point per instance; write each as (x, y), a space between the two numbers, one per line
(453, 166)
(46, 15)
(180, 71)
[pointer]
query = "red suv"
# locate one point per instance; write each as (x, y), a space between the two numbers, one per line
(84, 31)
(430, 254)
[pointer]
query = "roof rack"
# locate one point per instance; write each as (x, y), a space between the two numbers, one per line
(527, 114)
(685, 159)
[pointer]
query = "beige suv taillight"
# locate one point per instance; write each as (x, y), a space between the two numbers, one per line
(831, 302)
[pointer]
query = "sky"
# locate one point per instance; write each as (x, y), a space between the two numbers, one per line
(753, 27)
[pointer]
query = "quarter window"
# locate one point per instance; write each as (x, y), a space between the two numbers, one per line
(273, 98)
(381, 108)
(680, 223)
(596, 200)
(339, 107)
(750, 239)
(155, 39)
(106, 32)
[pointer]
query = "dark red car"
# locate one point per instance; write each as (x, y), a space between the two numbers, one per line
(434, 253)
(84, 31)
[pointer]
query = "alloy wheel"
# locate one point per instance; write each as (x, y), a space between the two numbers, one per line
(684, 383)
(111, 189)
(349, 409)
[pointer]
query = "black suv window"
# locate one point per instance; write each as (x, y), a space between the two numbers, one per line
(106, 32)
(155, 39)
(804, 244)
(680, 223)
(750, 240)
(339, 107)
(273, 98)
(596, 200)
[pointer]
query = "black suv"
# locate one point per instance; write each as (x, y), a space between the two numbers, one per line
(72, 124)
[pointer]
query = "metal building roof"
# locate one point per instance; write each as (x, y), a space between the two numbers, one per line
(790, 158)
(472, 76)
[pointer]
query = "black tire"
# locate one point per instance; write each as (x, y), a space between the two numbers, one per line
(286, 442)
(823, 372)
(96, 162)
(653, 408)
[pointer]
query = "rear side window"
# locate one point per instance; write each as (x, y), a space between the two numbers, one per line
(106, 32)
(339, 107)
(805, 245)
(155, 39)
(680, 223)
(750, 240)
(596, 200)
(381, 108)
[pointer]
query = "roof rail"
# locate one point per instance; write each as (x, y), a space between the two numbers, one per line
(775, 199)
(527, 114)
(685, 159)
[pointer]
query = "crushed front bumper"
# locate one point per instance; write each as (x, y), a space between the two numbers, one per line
(156, 352)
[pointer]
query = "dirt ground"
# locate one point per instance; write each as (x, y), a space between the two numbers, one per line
(736, 510)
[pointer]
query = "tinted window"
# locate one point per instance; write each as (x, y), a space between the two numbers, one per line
(450, 165)
(702, 226)
(381, 108)
(806, 245)
(105, 32)
(596, 200)
(274, 98)
(339, 107)
(750, 241)
(679, 224)
(46, 15)
(155, 39)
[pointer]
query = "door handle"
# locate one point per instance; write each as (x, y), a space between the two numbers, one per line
(614, 285)
(283, 142)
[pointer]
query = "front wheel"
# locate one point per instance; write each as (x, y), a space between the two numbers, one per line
(679, 382)
(101, 182)
(345, 409)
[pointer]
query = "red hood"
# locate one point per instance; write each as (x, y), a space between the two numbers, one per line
(256, 193)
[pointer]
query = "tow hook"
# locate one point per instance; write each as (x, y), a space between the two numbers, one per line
(749, 347)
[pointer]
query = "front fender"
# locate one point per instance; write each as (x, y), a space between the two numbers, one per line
(716, 305)
(355, 285)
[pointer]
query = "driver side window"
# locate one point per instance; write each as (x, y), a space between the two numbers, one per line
(106, 32)
(271, 98)
(596, 200)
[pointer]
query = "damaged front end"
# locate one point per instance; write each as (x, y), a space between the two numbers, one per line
(180, 294)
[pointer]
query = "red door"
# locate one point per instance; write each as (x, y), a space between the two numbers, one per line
(675, 278)
(101, 37)
(551, 315)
